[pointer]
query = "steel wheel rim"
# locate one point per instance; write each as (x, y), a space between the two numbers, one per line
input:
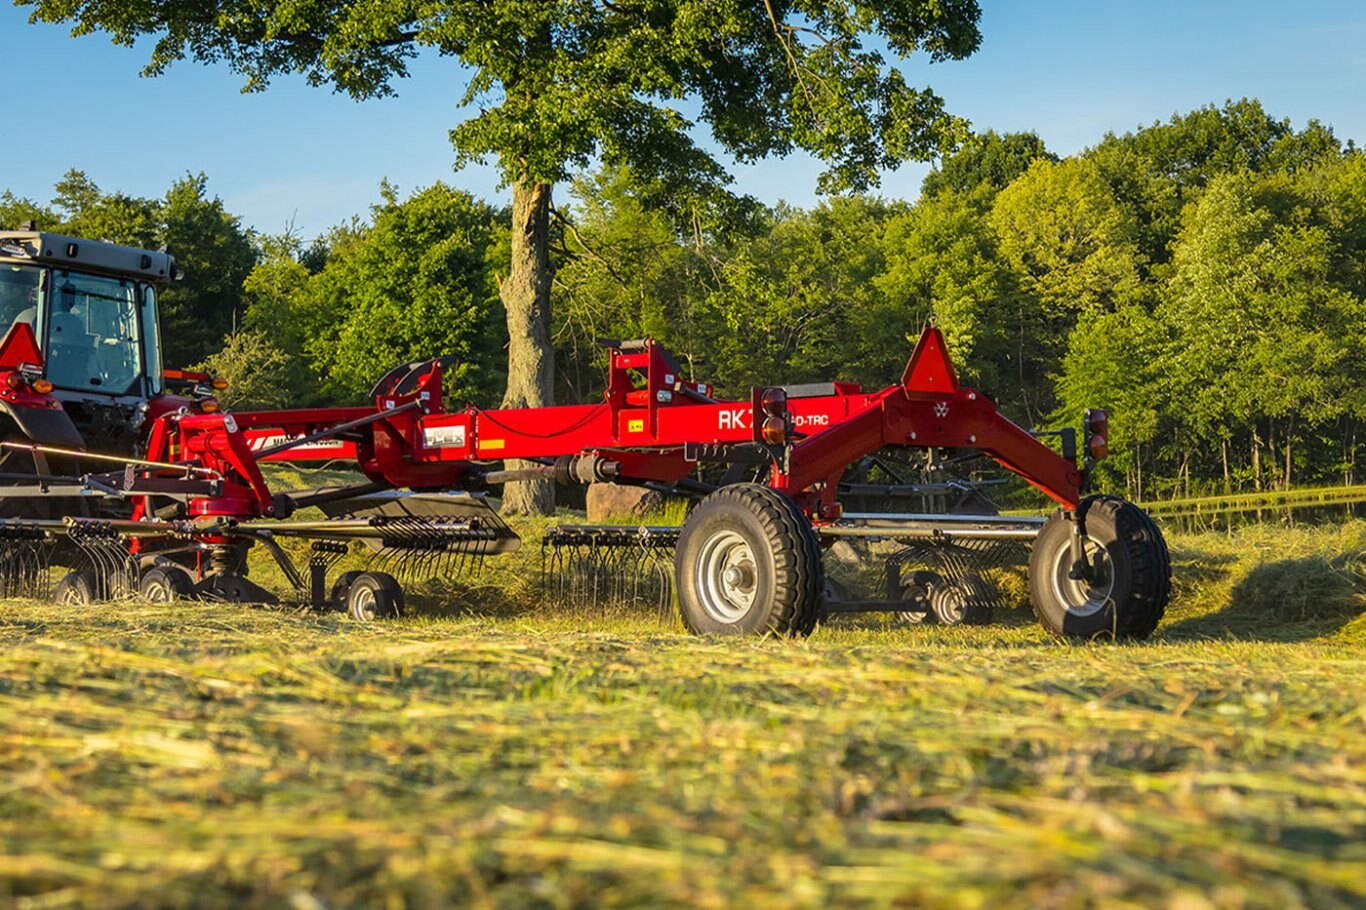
(1079, 596)
(727, 577)
(363, 604)
(156, 593)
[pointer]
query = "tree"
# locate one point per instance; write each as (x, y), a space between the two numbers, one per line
(943, 265)
(987, 159)
(413, 284)
(1071, 244)
(216, 255)
(558, 84)
(256, 371)
(211, 248)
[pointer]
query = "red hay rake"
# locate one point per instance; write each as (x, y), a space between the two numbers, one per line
(748, 559)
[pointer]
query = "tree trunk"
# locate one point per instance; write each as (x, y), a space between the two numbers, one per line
(1256, 460)
(1289, 442)
(531, 359)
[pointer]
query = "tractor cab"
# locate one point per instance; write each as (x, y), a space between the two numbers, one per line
(92, 311)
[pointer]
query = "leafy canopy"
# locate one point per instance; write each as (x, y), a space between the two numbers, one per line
(557, 83)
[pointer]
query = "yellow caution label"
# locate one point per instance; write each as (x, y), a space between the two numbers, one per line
(491, 443)
(635, 426)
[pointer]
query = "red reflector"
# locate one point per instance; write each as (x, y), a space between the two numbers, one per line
(774, 401)
(639, 398)
(1097, 422)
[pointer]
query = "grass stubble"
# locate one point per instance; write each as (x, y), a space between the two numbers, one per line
(489, 750)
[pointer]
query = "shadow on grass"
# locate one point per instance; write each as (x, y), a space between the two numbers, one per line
(1293, 599)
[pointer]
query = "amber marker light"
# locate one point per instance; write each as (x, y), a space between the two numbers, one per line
(42, 386)
(210, 406)
(774, 431)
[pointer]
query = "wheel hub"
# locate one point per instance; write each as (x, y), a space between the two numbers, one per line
(1088, 595)
(727, 577)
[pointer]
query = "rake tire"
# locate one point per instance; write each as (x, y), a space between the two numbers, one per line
(163, 584)
(1129, 593)
(340, 587)
(749, 563)
(77, 588)
(963, 601)
(374, 595)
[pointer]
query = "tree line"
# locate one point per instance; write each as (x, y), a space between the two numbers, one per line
(1203, 278)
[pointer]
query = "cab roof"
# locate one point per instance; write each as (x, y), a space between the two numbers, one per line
(47, 248)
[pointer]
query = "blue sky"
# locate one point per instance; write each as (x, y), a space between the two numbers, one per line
(1069, 70)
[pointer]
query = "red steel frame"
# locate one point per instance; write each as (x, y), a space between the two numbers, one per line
(646, 419)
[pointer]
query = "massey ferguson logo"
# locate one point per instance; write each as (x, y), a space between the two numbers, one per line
(267, 442)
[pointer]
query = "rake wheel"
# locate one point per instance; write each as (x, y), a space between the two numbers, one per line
(340, 589)
(1127, 592)
(748, 562)
(965, 601)
(163, 584)
(76, 589)
(374, 595)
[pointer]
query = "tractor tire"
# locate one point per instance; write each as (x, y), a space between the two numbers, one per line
(77, 588)
(164, 584)
(374, 595)
(749, 563)
(1132, 573)
(966, 601)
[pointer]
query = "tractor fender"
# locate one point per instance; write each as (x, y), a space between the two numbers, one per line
(48, 426)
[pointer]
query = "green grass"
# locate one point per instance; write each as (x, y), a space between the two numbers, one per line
(493, 751)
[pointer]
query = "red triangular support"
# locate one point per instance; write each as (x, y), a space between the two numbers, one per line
(929, 371)
(19, 347)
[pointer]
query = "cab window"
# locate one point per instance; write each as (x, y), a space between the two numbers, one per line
(92, 338)
(21, 290)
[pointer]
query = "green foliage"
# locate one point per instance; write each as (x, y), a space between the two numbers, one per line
(943, 266)
(413, 284)
(1061, 230)
(799, 303)
(216, 255)
(256, 371)
(986, 160)
(209, 244)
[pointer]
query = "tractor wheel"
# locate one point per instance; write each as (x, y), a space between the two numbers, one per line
(77, 588)
(340, 587)
(965, 601)
(374, 595)
(164, 584)
(917, 589)
(748, 562)
(1131, 573)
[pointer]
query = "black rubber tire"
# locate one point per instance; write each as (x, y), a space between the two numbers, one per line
(1129, 596)
(337, 597)
(765, 539)
(917, 588)
(77, 588)
(374, 595)
(966, 601)
(165, 584)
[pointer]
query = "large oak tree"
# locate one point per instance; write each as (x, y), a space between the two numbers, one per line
(554, 84)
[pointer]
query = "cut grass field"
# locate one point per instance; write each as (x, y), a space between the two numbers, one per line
(492, 751)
